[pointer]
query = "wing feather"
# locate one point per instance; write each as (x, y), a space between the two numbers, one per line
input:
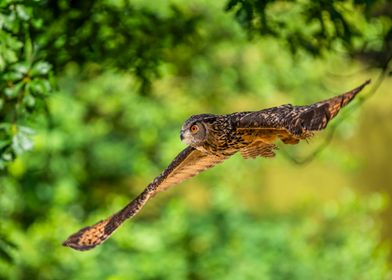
(293, 123)
(187, 164)
(258, 148)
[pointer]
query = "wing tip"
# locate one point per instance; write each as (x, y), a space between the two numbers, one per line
(74, 242)
(359, 88)
(78, 240)
(368, 81)
(345, 98)
(76, 245)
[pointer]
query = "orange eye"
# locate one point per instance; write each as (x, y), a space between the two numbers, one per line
(194, 128)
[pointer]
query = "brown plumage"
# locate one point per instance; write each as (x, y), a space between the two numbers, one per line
(213, 138)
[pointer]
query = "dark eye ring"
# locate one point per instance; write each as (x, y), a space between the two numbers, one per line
(194, 128)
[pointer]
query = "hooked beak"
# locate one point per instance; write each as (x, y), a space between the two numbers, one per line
(184, 136)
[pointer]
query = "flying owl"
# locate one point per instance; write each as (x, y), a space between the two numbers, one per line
(212, 139)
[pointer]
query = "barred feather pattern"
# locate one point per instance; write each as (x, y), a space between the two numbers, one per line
(187, 164)
(298, 120)
(250, 133)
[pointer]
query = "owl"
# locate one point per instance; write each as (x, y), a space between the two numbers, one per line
(211, 139)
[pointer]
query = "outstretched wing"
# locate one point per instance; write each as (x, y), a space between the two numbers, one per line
(288, 123)
(316, 116)
(187, 164)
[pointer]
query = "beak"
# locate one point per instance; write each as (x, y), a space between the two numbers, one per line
(181, 136)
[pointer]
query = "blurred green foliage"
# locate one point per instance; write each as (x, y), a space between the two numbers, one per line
(330, 25)
(37, 35)
(98, 90)
(24, 79)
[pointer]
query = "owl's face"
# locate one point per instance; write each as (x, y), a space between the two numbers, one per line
(194, 132)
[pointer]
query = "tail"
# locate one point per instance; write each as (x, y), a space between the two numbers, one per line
(91, 236)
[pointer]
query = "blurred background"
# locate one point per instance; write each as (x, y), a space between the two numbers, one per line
(92, 98)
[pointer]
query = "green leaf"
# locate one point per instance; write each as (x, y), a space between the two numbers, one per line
(22, 12)
(7, 156)
(22, 142)
(40, 86)
(29, 100)
(41, 68)
(12, 76)
(21, 67)
(13, 91)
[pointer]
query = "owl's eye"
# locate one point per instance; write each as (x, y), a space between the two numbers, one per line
(194, 128)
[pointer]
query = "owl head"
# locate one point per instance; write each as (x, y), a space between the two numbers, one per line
(194, 131)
